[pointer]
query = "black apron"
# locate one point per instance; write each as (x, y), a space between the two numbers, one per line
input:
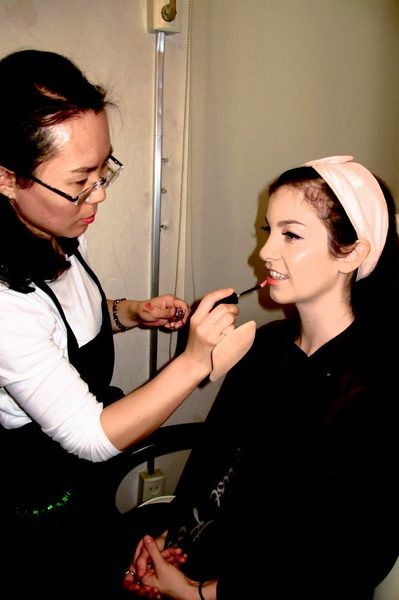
(61, 533)
(45, 483)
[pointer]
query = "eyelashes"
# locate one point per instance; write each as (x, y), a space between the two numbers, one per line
(288, 234)
(292, 236)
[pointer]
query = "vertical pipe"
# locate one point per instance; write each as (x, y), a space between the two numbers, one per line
(156, 188)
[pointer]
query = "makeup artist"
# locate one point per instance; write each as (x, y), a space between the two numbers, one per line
(62, 423)
(293, 492)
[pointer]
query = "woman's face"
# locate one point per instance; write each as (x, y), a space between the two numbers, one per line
(301, 269)
(83, 147)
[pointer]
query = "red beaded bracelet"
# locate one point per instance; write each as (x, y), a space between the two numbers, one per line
(115, 314)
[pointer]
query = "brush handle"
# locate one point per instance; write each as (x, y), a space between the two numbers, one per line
(232, 299)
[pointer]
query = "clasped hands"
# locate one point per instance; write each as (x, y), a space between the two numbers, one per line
(154, 571)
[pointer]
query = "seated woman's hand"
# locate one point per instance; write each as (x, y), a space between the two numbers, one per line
(141, 563)
(161, 577)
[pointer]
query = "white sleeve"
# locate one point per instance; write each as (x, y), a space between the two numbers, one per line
(41, 382)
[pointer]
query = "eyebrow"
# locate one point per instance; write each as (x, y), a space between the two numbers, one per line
(287, 222)
(91, 169)
(290, 222)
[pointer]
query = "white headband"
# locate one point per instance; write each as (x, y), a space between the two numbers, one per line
(361, 196)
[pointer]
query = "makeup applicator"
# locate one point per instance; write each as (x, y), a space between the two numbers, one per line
(233, 298)
(235, 343)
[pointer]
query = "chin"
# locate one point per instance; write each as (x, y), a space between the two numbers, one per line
(76, 232)
(276, 297)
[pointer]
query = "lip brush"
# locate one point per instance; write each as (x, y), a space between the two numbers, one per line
(233, 298)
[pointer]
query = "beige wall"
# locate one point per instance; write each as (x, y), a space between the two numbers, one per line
(110, 42)
(274, 83)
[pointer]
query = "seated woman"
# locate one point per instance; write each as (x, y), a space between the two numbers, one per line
(325, 524)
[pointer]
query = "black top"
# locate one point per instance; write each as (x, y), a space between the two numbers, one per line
(293, 491)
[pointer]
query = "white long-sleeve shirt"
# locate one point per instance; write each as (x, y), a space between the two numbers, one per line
(37, 380)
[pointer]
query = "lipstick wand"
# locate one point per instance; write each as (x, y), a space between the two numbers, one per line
(233, 298)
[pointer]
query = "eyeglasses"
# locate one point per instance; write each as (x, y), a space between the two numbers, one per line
(113, 171)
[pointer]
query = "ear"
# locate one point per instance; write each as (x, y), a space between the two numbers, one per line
(354, 259)
(7, 183)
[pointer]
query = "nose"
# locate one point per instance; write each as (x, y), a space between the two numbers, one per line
(269, 250)
(98, 195)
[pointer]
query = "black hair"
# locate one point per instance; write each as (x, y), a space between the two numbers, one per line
(40, 89)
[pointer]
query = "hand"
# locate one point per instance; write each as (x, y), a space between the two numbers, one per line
(208, 326)
(141, 560)
(141, 563)
(162, 578)
(163, 311)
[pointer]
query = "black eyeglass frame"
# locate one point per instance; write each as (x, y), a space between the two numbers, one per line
(102, 182)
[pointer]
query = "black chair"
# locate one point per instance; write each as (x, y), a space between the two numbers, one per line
(143, 455)
(153, 517)
(165, 440)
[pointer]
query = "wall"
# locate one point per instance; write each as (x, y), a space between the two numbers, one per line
(276, 83)
(110, 42)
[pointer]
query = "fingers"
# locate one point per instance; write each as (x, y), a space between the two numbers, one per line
(209, 300)
(178, 318)
(224, 315)
(142, 562)
(210, 323)
(153, 550)
(166, 311)
(131, 583)
(137, 553)
(174, 556)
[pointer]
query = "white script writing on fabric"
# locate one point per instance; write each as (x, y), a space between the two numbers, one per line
(216, 496)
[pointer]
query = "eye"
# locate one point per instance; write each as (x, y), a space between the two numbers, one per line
(82, 182)
(266, 228)
(292, 236)
(105, 169)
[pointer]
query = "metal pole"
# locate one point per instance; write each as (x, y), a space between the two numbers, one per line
(157, 182)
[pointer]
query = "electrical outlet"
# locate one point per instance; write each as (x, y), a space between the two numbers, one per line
(155, 20)
(151, 485)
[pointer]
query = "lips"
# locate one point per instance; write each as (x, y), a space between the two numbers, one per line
(89, 220)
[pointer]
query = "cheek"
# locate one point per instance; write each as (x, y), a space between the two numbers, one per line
(44, 213)
(310, 261)
(306, 256)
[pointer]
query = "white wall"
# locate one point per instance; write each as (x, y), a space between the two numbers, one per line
(110, 42)
(276, 83)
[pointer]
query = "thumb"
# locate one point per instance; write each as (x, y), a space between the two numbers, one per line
(153, 551)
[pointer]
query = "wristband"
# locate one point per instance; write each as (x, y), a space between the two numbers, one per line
(115, 314)
(201, 595)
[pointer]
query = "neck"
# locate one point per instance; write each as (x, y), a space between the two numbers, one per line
(320, 325)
